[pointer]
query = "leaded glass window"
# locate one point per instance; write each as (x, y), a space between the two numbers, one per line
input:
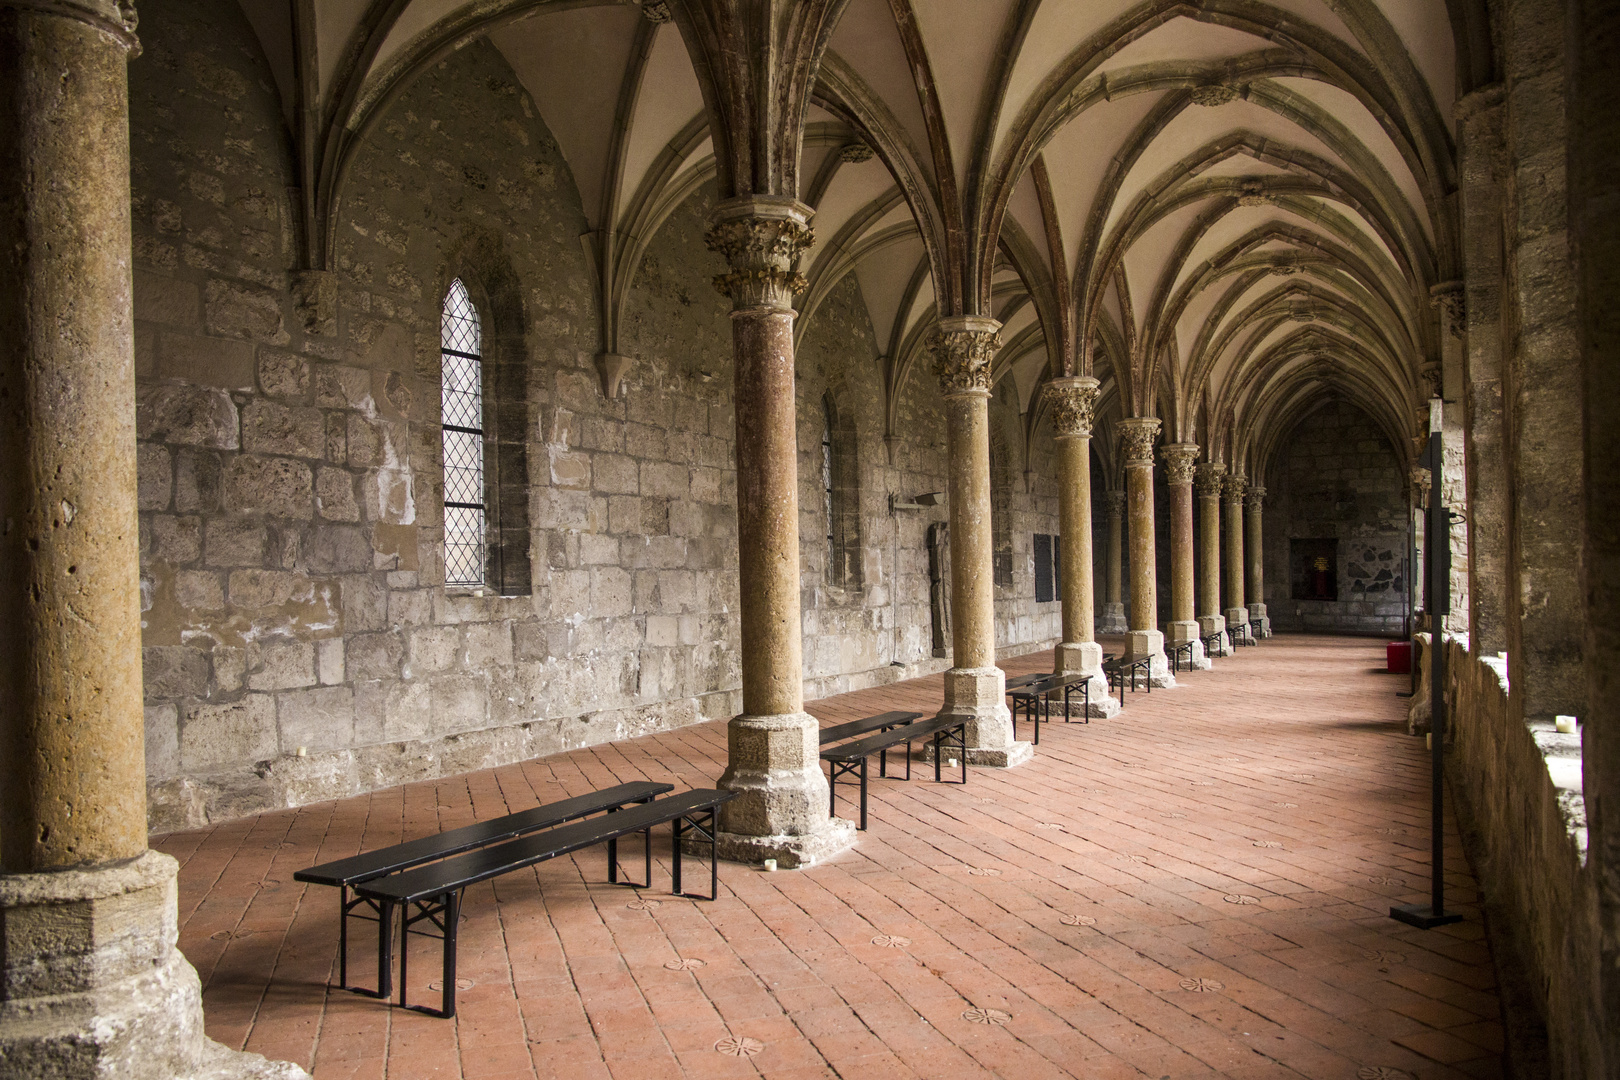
(462, 402)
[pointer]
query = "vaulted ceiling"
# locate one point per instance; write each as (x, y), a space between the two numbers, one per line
(1231, 211)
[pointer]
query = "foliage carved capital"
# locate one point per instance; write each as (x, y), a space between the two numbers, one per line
(760, 239)
(1180, 459)
(1073, 404)
(1136, 437)
(1114, 502)
(1209, 478)
(1255, 501)
(1235, 485)
(960, 350)
(116, 18)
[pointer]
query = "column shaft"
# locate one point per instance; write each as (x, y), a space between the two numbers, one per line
(73, 762)
(1179, 462)
(773, 749)
(975, 688)
(1114, 571)
(1072, 401)
(1255, 561)
(1237, 612)
(1210, 618)
(1138, 437)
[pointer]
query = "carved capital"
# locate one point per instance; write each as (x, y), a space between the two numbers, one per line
(655, 11)
(1209, 478)
(855, 153)
(115, 18)
(960, 350)
(1114, 502)
(1235, 485)
(1136, 437)
(1180, 459)
(1255, 501)
(1073, 402)
(1450, 298)
(761, 239)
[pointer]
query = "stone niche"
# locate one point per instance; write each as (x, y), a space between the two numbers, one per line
(1338, 497)
(300, 641)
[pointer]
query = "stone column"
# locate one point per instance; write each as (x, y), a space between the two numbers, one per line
(1237, 611)
(773, 748)
(1210, 620)
(1254, 550)
(1419, 499)
(91, 983)
(1136, 437)
(1179, 461)
(961, 349)
(1073, 403)
(1113, 617)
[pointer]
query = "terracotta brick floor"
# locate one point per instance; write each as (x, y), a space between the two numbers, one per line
(1197, 887)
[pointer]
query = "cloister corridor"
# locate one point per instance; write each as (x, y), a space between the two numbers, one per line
(1196, 887)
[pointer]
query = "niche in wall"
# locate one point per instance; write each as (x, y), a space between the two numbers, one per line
(1314, 568)
(1048, 579)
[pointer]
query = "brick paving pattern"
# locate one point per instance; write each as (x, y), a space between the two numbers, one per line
(1197, 887)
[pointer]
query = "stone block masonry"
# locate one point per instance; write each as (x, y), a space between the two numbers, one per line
(1339, 481)
(299, 641)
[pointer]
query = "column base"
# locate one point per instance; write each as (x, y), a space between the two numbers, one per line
(1259, 622)
(1085, 658)
(94, 986)
(1185, 631)
(1151, 643)
(979, 695)
(1215, 624)
(774, 765)
(1112, 620)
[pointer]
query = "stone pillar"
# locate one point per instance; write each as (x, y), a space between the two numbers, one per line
(1113, 616)
(1179, 462)
(1210, 620)
(962, 348)
(1073, 402)
(773, 748)
(1237, 611)
(1136, 437)
(91, 983)
(1419, 499)
(1255, 571)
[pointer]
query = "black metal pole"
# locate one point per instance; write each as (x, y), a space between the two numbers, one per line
(1437, 601)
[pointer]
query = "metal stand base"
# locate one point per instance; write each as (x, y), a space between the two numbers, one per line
(1422, 916)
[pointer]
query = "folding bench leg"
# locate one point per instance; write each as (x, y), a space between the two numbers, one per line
(449, 911)
(385, 952)
(863, 791)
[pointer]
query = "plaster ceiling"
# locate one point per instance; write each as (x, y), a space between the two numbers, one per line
(1143, 143)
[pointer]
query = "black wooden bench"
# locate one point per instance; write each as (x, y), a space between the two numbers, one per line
(435, 890)
(851, 757)
(1212, 644)
(1118, 669)
(346, 873)
(1034, 699)
(1178, 651)
(1241, 634)
(867, 725)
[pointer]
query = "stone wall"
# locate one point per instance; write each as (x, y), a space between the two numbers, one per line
(1517, 788)
(1337, 478)
(300, 643)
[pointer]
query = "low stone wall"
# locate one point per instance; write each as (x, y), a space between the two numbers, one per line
(1516, 784)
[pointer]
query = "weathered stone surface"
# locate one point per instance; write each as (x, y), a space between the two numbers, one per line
(277, 487)
(191, 415)
(228, 734)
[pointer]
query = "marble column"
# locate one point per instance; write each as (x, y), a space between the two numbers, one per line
(961, 349)
(1113, 615)
(1180, 459)
(773, 747)
(1210, 620)
(91, 983)
(1073, 402)
(1255, 559)
(1137, 436)
(1237, 610)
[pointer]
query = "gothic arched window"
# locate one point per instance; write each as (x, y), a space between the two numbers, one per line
(462, 402)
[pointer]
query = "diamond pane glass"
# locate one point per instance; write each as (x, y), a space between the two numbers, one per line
(462, 403)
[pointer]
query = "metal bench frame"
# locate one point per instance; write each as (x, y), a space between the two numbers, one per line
(843, 761)
(1035, 700)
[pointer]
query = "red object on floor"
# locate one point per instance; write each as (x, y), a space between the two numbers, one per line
(1399, 657)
